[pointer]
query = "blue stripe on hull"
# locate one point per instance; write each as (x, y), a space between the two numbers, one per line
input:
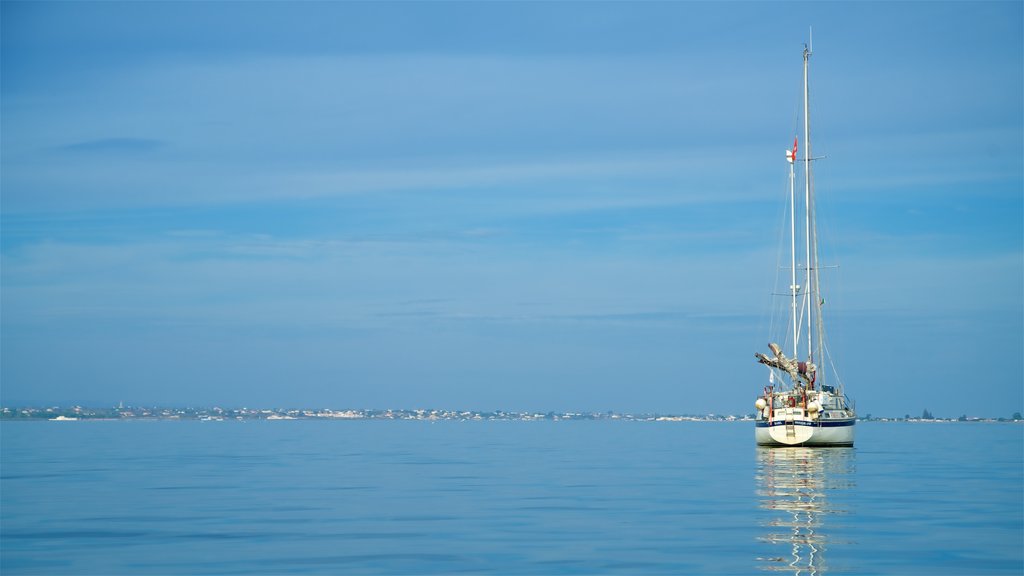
(818, 424)
(805, 433)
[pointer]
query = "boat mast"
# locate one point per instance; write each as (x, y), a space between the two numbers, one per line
(814, 290)
(807, 199)
(793, 287)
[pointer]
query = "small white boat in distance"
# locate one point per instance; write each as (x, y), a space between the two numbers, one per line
(800, 407)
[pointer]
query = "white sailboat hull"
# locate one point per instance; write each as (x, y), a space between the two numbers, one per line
(804, 432)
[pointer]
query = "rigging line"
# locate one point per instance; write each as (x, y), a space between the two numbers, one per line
(797, 184)
(835, 373)
(803, 308)
(783, 213)
(827, 231)
(798, 107)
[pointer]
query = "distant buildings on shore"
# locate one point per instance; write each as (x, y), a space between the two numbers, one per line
(122, 412)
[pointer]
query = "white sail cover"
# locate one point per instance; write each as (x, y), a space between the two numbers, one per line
(798, 371)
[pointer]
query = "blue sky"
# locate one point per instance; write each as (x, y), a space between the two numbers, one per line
(519, 206)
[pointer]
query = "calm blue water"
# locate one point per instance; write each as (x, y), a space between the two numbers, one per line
(328, 497)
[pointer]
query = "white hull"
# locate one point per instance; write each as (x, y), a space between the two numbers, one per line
(804, 433)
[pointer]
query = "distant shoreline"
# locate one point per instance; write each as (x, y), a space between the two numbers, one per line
(79, 413)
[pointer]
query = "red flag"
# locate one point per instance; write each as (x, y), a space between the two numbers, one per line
(791, 155)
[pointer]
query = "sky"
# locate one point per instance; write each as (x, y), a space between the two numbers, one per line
(565, 206)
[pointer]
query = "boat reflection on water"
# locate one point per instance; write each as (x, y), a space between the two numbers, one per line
(799, 487)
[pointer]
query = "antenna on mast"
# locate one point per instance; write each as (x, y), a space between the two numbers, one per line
(810, 39)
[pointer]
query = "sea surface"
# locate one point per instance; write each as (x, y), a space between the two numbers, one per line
(579, 497)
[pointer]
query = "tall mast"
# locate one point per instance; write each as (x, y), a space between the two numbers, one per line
(807, 199)
(793, 287)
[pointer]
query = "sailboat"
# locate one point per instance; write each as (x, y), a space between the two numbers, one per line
(801, 406)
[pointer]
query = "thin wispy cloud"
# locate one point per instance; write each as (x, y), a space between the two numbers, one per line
(114, 145)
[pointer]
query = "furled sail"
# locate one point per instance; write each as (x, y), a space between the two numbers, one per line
(798, 371)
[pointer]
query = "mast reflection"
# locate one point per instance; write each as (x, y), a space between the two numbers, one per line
(798, 486)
